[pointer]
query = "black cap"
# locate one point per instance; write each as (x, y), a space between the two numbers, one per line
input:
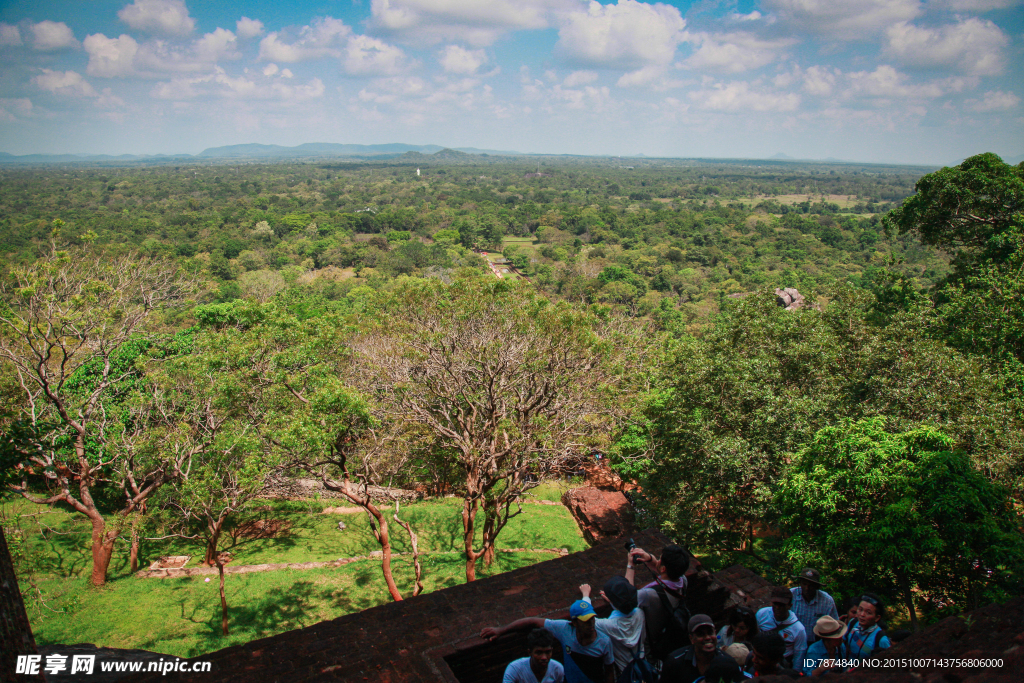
(809, 574)
(698, 620)
(621, 594)
(723, 669)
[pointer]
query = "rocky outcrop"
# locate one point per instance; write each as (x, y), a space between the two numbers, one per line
(600, 514)
(789, 298)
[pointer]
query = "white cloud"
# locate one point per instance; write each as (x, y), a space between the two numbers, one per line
(649, 75)
(733, 52)
(164, 17)
(10, 36)
(123, 56)
(108, 100)
(248, 28)
(628, 35)
(820, 80)
(215, 46)
(973, 45)
(178, 89)
(323, 38)
(886, 82)
(270, 69)
(995, 100)
(740, 96)
(589, 97)
(753, 16)
(388, 90)
(579, 78)
(477, 22)
(110, 57)
(64, 83)
(242, 87)
(366, 56)
(843, 19)
(52, 35)
(973, 5)
(13, 109)
(459, 60)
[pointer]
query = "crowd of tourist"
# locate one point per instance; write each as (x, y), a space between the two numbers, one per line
(650, 637)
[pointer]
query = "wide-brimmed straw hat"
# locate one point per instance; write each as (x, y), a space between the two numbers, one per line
(827, 627)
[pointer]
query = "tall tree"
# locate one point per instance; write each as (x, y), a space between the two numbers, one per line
(976, 212)
(72, 313)
(307, 419)
(505, 382)
(754, 388)
(206, 405)
(906, 508)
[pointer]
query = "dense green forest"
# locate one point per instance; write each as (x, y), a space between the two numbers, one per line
(668, 236)
(174, 337)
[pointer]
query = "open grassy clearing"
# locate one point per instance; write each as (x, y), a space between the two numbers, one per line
(844, 201)
(182, 616)
(527, 245)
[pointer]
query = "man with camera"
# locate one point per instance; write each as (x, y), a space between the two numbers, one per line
(663, 598)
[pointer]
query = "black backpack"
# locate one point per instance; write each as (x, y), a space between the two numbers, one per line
(675, 634)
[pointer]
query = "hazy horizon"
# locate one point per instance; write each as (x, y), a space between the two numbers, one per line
(866, 81)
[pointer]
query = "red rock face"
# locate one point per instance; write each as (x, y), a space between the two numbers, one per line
(600, 514)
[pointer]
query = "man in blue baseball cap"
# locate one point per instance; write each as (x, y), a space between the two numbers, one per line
(587, 654)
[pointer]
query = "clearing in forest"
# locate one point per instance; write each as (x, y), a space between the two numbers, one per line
(181, 616)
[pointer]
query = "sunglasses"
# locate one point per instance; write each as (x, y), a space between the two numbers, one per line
(869, 599)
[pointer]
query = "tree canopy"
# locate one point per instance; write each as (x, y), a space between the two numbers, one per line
(505, 382)
(905, 509)
(734, 403)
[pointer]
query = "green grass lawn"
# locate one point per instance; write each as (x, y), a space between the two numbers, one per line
(182, 616)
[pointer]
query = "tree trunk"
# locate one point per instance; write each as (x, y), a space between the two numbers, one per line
(417, 569)
(102, 549)
(135, 548)
(469, 509)
(223, 599)
(384, 539)
(490, 534)
(210, 558)
(380, 530)
(908, 599)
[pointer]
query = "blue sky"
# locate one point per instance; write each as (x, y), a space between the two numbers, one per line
(906, 81)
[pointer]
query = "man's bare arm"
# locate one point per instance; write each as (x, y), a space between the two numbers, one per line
(490, 633)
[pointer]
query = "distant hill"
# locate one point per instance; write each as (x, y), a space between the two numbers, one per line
(321, 149)
(780, 155)
(1013, 161)
(6, 158)
(450, 154)
(311, 149)
(259, 151)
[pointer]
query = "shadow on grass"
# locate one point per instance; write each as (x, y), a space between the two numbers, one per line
(277, 610)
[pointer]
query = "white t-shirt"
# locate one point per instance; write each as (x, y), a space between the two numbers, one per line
(519, 671)
(626, 633)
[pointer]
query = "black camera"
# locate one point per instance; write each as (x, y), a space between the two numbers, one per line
(629, 545)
